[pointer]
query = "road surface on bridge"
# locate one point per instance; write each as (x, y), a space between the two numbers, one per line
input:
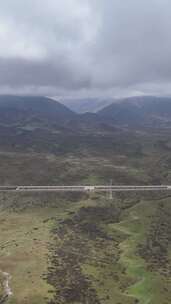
(82, 188)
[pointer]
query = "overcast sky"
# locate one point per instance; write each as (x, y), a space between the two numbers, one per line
(85, 47)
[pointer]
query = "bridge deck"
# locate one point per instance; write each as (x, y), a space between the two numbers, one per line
(96, 188)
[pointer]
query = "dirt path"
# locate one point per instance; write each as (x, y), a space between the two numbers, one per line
(7, 290)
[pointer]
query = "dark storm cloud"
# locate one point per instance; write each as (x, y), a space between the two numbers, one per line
(20, 72)
(85, 47)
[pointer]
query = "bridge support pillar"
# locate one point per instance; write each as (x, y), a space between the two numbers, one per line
(110, 191)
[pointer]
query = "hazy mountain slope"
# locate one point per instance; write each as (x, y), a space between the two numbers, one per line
(140, 111)
(28, 110)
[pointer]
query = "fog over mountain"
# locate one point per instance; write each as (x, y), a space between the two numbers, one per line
(83, 105)
(85, 48)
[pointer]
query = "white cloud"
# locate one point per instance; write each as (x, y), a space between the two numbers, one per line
(91, 46)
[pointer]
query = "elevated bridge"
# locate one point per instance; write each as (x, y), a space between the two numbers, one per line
(82, 188)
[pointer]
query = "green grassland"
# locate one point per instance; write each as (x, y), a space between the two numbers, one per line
(84, 250)
(24, 243)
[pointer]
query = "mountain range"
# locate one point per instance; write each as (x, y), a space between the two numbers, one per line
(35, 112)
(32, 112)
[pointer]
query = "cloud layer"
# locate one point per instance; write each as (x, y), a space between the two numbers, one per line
(90, 47)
